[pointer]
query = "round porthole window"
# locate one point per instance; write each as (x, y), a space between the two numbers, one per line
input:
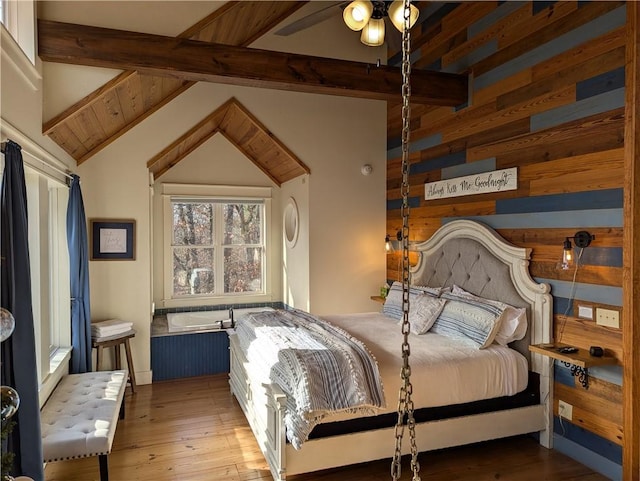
(291, 222)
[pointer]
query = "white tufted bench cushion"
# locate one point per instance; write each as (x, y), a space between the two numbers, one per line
(79, 419)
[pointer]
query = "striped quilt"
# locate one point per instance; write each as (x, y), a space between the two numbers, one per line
(320, 367)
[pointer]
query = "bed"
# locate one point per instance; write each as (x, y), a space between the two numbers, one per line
(461, 253)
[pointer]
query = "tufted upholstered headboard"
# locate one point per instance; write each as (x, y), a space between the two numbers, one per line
(474, 257)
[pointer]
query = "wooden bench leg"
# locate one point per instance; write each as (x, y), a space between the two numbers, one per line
(104, 467)
(118, 362)
(132, 372)
(98, 358)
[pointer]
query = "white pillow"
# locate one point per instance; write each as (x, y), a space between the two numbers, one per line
(467, 319)
(513, 325)
(424, 311)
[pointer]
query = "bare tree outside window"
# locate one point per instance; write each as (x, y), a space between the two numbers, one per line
(239, 251)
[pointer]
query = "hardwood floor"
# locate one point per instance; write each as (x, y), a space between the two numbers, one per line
(194, 430)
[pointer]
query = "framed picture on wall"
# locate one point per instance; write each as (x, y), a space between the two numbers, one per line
(112, 239)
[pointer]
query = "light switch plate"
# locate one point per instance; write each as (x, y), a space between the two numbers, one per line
(585, 312)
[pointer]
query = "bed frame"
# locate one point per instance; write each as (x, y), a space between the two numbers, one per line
(477, 259)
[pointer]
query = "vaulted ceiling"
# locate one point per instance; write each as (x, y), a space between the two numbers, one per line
(158, 69)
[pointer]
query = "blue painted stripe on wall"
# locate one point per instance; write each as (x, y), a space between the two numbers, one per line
(464, 63)
(598, 463)
(562, 374)
(612, 374)
(435, 65)
(492, 18)
(562, 305)
(445, 9)
(438, 163)
(588, 292)
(396, 60)
(485, 165)
(588, 440)
(601, 256)
(397, 203)
(597, 199)
(578, 110)
(599, 84)
(610, 21)
(560, 219)
(417, 146)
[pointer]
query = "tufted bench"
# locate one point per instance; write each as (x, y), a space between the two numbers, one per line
(79, 419)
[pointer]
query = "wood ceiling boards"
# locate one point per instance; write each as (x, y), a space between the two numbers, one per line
(110, 111)
(246, 133)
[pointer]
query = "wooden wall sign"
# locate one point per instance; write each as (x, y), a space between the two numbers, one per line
(496, 181)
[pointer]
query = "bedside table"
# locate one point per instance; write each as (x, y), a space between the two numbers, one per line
(379, 299)
(579, 361)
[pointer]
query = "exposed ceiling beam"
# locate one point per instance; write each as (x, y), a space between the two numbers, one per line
(201, 61)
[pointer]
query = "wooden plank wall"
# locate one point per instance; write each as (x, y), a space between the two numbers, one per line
(547, 97)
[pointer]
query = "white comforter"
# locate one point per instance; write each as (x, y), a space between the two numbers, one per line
(443, 371)
(321, 368)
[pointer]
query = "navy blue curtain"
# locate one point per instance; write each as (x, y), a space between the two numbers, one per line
(79, 268)
(18, 352)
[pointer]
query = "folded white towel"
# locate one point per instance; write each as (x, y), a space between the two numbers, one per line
(111, 327)
(111, 323)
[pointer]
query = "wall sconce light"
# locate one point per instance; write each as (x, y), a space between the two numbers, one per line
(582, 239)
(388, 243)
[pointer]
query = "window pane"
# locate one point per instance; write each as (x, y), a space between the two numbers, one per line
(193, 271)
(243, 269)
(242, 223)
(192, 224)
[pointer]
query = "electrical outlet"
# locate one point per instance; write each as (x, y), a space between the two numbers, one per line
(565, 410)
(607, 317)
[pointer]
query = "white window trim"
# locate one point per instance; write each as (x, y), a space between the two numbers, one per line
(228, 192)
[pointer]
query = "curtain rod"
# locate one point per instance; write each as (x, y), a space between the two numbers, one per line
(45, 163)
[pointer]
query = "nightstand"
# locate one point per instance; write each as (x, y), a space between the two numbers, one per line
(579, 361)
(379, 299)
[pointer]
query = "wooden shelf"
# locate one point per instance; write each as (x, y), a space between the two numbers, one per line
(581, 358)
(379, 299)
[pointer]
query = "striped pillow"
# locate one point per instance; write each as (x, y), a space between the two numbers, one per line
(464, 318)
(393, 303)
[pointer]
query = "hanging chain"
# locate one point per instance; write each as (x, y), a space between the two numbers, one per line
(405, 401)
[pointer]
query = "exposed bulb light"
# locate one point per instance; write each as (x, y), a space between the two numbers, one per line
(373, 32)
(582, 239)
(567, 255)
(396, 15)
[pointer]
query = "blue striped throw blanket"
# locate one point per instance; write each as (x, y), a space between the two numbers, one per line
(320, 367)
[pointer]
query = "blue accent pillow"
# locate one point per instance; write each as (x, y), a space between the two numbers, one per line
(468, 319)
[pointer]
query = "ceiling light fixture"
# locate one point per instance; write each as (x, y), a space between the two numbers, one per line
(368, 17)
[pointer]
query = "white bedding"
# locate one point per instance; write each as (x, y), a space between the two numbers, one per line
(456, 373)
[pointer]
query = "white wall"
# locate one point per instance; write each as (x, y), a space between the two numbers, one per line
(340, 261)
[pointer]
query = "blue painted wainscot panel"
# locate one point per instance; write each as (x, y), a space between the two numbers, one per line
(188, 355)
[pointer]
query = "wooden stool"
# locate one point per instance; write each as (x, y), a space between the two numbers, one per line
(115, 342)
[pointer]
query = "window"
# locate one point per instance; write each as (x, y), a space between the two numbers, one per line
(215, 248)
(19, 19)
(46, 211)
